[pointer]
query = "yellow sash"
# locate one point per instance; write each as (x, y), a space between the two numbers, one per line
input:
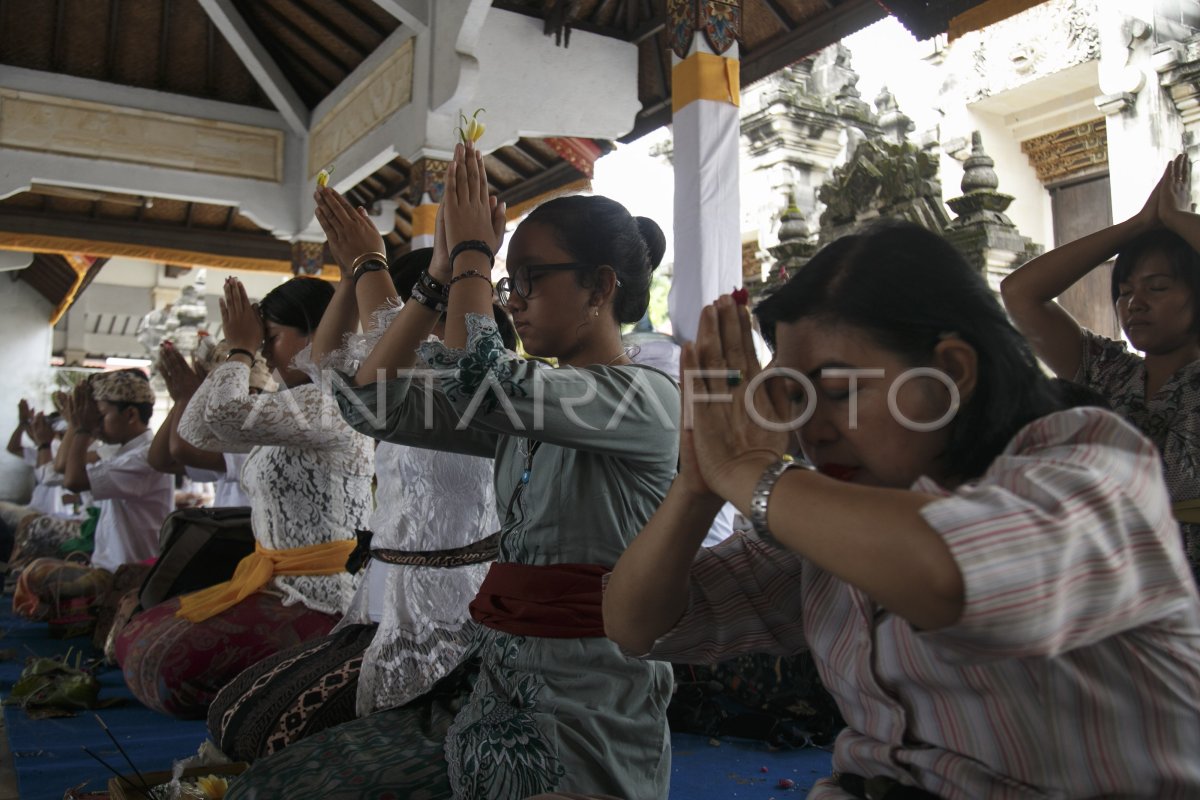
(256, 570)
(1187, 511)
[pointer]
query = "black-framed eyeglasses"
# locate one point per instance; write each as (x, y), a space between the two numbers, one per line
(521, 281)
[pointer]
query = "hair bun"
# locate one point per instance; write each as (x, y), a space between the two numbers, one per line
(656, 241)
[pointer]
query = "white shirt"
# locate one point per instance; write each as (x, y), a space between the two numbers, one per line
(227, 485)
(46, 498)
(134, 499)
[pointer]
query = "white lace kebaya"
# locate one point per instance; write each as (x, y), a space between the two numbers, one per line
(426, 500)
(308, 475)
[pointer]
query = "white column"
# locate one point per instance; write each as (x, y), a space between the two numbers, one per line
(1144, 128)
(708, 242)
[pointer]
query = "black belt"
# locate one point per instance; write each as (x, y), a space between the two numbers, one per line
(475, 553)
(880, 788)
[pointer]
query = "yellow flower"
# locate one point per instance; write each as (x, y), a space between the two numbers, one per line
(470, 130)
(214, 788)
(323, 176)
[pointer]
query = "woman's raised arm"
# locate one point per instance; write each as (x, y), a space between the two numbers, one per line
(1029, 292)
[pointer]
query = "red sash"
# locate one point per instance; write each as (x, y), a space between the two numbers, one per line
(555, 601)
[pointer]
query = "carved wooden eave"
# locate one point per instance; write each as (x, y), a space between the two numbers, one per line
(1069, 153)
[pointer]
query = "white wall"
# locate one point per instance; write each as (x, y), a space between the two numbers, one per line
(24, 363)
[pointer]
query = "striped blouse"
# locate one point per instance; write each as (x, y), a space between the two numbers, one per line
(1074, 670)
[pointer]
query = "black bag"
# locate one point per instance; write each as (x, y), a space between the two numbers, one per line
(198, 548)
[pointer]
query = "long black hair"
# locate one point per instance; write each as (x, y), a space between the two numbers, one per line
(907, 288)
(299, 303)
(600, 231)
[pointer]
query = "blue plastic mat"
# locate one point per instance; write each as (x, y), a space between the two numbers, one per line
(49, 759)
(739, 769)
(48, 753)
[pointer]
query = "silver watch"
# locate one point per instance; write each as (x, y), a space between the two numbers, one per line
(762, 494)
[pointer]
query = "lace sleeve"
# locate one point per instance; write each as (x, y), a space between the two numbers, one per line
(629, 411)
(303, 416)
(355, 346)
(194, 428)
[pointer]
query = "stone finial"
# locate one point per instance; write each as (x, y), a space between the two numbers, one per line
(981, 231)
(980, 201)
(793, 224)
(978, 169)
(893, 121)
(885, 101)
(797, 241)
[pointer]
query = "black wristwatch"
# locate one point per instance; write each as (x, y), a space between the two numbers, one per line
(368, 266)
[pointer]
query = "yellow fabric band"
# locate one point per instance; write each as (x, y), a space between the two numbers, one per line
(256, 570)
(424, 220)
(703, 76)
(1187, 511)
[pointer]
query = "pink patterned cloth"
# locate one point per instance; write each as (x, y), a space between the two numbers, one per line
(177, 667)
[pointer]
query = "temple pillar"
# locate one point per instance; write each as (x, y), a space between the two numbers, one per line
(428, 183)
(705, 96)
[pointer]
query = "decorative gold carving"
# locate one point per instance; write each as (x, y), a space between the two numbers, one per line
(384, 92)
(719, 20)
(64, 126)
(1068, 152)
(428, 177)
(308, 258)
(751, 262)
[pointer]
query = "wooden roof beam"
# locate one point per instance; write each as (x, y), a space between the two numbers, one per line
(411, 13)
(808, 37)
(332, 28)
(266, 72)
(24, 230)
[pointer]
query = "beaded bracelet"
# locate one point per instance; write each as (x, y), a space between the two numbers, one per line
(471, 273)
(427, 301)
(473, 244)
(375, 256)
(762, 495)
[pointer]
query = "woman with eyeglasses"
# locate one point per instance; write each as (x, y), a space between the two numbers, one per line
(584, 454)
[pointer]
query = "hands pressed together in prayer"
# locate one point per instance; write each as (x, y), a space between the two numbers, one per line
(349, 230)
(24, 414)
(1171, 196)
(34, 423)
(470, 213)
(40, 429)
(466, 212)
(84, 413)
(182, 378)
(243, 326)
(721, 439)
